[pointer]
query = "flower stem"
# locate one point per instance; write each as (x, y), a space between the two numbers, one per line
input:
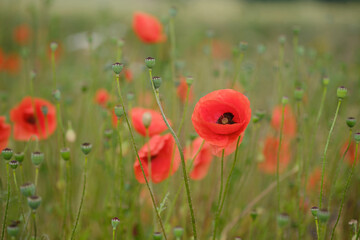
(36, 175)
(7, 201)
(137, 155)
(121, 174)
(34, 219)
(345, 190)
(113, 235)
(321, 105)
(184, 111)
(278, 160)
(325, 150)
(220, 194)
(186, 178)
(18, 195)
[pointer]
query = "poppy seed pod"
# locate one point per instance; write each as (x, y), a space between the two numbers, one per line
(341, 92)
(172, 11)
(19, 157)
(325, 81)
(7, 153)
(237, 238)
(157, 82)
(243, 46)
(284, 100)
(108, 133)
(86, 148)
(189, 80)
(65, 153)
(357, 137)
(27, 189)
(314, 211)
(296, 30)
(253, 215)
(323, 215)
(146, 119)
(37, 158)
(178, 232)
(157, 236)
(53, 46)
(150, 62)
(14, 164)
(119, 111)
(117, 67)
(115, 222)
(283, 220)
(298, 94)
(130, 96)
(34, 202)
(57, 95)
(13, 229)
(350, 122)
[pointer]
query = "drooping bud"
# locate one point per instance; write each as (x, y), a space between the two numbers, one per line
(14, 164)
(7, 153)
(341, 92)
(146, 119)
(117, 67)
(86, 148)
(115, 222)
(65, 153)
(34, 202)
(37, 158)
(350, 121)
(119, 111)
(178, 232)
(19, 157)
(150, 62)
(27, 189)
(323, 215)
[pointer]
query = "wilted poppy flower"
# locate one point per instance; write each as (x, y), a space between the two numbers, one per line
(161, 149)
(221, 117)
(350, 155)
(202, 162)
(314, 180)
(289, 127)
(157, 125)
(148, 28)
(270, 153)
(102, 97)
(5, 131)
(12, 63)
(182, 90)
(28, 124)
(22, 34)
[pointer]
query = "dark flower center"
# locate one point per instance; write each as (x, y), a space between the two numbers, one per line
(226, 118)
(30, 118)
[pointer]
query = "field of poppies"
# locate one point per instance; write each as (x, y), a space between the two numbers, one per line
(176, 120)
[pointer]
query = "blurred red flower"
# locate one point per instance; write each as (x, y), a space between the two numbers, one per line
(314, 180)
(202, 162)
(148, 28)
(2, 59)
(5, 132)
(350, 155)
(160, 149)
(182, 90)
(12, 63)
(128, 75)
(221, 117)
(270, 152)
(102, 97)
(28, 124)
(22, 34)
(289, 128)
(157, 125)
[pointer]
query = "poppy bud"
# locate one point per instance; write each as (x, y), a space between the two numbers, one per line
(65, 153)
(178, 232)
(108, 133)
(57, 95)
(70, 135)
(296, 30)
(14, 164)
(13, 229)
(243, 46)
(157, 236)
(130, 96)
(7, 153)
(299, 93)
(350, 122)
(37, 158)
(283, 219)
(357, 137)
(325, 81)
(27, 189)
(119, 111)
(150, 62)
(172, 11)
(117, 67)
(189, 80)
(53, 46)
(115, 222)
(341, 92)
(157, 82)
(44, 110)
(86, 148)
(19, 157)
(284, 100)
(146, 119)
(282, 40)
(323, 215)
(34, 202)
(314, 211)
(253, 215)
(261, 49)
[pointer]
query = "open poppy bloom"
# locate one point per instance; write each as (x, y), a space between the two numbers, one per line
(350, 155)
(221, 117)
(148, 28)
(5, 131)
(182, 89)
(102, 97)
(22, 34)
(202, 162)
(270, 152)
(160, 148)
(28, 124)
(157, 125)
(289, 127)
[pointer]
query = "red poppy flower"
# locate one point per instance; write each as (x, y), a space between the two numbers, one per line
(148, 28)
(12, 63)
(270, 152)
(128, 75)
(314, 181)
(289, 128)
(157, 125)
(227, 150)
(102, 97)
(220, 49)
(182, 90)
(161, 149)
(22, 34)
(202, 162)
(28, 124)
(350, 155)
(5, 131)
(221, 117)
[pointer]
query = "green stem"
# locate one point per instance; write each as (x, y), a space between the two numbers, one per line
(81, 201)
(53, 68)
(121, 174)
(7, 201)
(321, 105)
(184, 111)
(220, 193)
(113, 235)
(186, 178)
(238, 66)
(317, 228)
(18, 195)
(36, 176)
(345, 190)
(278, 159)
(35, 229)
(325, 151)
(137, 155)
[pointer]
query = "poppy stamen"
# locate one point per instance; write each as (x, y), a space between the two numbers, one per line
(30, 119)
(226, 118)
